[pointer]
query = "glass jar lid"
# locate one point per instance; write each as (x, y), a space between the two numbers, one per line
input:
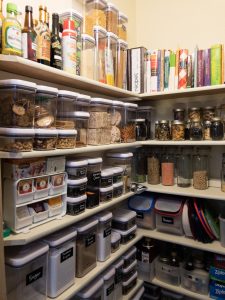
(177, 122)
(216, 119)
(179, 110)
(164, 122)
(194, 108)
(44, 89)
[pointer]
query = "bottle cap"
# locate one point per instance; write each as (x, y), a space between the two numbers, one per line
(28, 8)
(11, 7)
(55, 16)
(41, 7)
(68, 24)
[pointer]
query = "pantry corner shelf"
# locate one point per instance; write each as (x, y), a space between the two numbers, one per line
(50, 227)
(212, 193)
(101, 266)
(180, 290)
(25, 67)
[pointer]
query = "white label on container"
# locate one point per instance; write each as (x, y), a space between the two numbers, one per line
(107, 232)
(66, 254)
(140, 215)
(136, 71)
(110, 289)
(33, 276)
(145, 257)
(90, 240)
(168, 220)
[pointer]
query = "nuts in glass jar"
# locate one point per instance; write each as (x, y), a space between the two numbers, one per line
(164, 131)
(207, 133)
(208, 113)
(194, 113)
(178, 130)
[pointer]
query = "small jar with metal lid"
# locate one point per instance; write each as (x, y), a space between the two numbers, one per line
(208, 113)
(164, 131)
(179, 114)
(187, 130)
(156, 130)
(141, 130)
(196, 130)
(177, 130)
(207, 130)
(194, 113)
(217, 129)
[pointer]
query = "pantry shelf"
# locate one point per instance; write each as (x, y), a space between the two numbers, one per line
(21, 66)
(45, 229)
(180, 290)
(182, 143)
(134, 290)
(211, 193)
(101, 266)
(214, 247)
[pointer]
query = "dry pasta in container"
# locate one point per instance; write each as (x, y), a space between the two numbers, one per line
(45, 139)
(76, 168)
(100, 50)
(76, 205)
(82, 120)
(95, 15)
(88, 56)
(66, 139)
(121, 75)
(111, 58)
(16, 139)
(122, 26)
(123, 219)
(112, 16)
(115, 241)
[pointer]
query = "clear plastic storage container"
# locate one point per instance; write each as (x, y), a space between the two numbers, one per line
(106, 194)
(167, 273)
(117, 189)
(45, 107)
(118, 292)
(127, 235)
(76, 187)
(45, 139)
(86, 247)
(117, 175)
(112, 16)
(76, 206)
(88, 56)
(115, 241)
(93, 291)
(94, 180)
(128, 131)
(116, 121)
(82, 120)
(123, 219)
(129, 284)
(111, 58)
(107, 177)
(144, 112)
(61, 261)
(128, 272)
(122, 26)
(121, 75)
(82, 103)
(66, 139)
(17, 103)
(196, 280)
(100, 50)
(16, 139)
(109, 286)
(104, 236)
(76, 168)
(26, 271)
(129, 257)
(95, 15)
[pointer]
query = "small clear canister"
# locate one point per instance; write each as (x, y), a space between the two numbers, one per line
(122, 26)
(112, 17)
(100, 50)
(95, 15)
(121, 78)
(87, 56)
(111, 58)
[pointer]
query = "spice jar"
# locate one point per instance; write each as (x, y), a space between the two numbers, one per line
(122, 26)
(100, 53)
(17, 103)
(217, 129)
(128, 134)
(207, 130)
(223, 174)
(144, 112)
(116, 121)
(157, 130)
(112, 16)
(164, 131)
(87, 56)
(208, 113)
(95, 15)
(184, 168)
(141, 130)
(45, 107)
(179, 114)
(200, 170)
(153, 168)
(178, 130)
(81, 119)
(194, 113)
(196, 130)
(187, 130)
(16, 139)
(168, 169)
(121, 68)
(83, 102)
(111, 58)
(66, 139)
(45, 139)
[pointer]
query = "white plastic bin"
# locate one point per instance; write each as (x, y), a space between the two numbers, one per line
(167, 273)
(76, 206)
(76, 169)
(26, 268)
(123, 219)
(115, 241)
(127, 235)
(129, 284)
(41, 187)
(196, 281)
(93, 291)
(104, 236)
(109, 285)
(169, 215)
(61, 261)
(143, 205)
(129, 257)
(38, 211)
(58, 184)
(23, 218)
(118, 291)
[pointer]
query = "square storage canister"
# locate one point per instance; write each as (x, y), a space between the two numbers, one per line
(123, 219)
(109, 286)
(26, 271)
(118, 265)
(61, 261)
(92, 291)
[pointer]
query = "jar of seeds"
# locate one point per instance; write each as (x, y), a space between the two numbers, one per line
(208, 113)
(196, 130)
(164, 131)
(177, 130)
(217, 129)
(207, 133)
(201, 170)
(194, 113)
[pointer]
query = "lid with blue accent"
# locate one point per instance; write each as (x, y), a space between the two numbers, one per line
(144, 202)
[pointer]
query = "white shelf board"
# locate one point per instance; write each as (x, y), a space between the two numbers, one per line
(101, 266)
(198, 91)
(45, 229)
(56, 152)
(130, 295)
(214, 247)
(212, 193)
(180, 290)
(25, 67)
(182, 143)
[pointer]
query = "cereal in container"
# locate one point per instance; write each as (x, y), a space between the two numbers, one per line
(16, 139)
(122, 26)
(112, 17)
(95, 15)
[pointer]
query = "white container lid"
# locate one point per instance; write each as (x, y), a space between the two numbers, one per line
(120, 155)
(106, 189)
(140, 108)
(21, 255)
(102, 2)
(16, 132)
(81, 114)
(118, 264)
(117, 103)
(125, 283)
(76, 163)
(44, 132)
(72, 12)
(76, 199)
(133, 105)
(101, 29)
(100, 101)
(76, 181)
(67, 132)
(84, 98)
(123, 233)
(69, 94)
(91, 289)
(112, 6)
(88, 37)
(86, 225)
(130, 267)
(95, 160)
(117, 185)
(117, 170)
(112, 35)
(108, 274)
(115, 237)
(129, 253)
(107, 172)
(168, 205)
(17, 83)
(60, 237)
(122, 17)
(47, 89)
(104, 217)
(124, 215)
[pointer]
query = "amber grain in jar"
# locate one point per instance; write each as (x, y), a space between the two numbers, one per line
(177, 130)
(112, 17)
(164, 131)
(194, 113)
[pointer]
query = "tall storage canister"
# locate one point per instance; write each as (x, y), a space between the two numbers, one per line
(111, 58)
(87, 56)
(118, 293)
(112, 17)
(128, 130)
(61, 261)
(100, 50)
(94, 178)
(95, 15)
(109, 286)
(93, 291)
(104, 236)
(26, 271)
(121, 78)
(86, 247)
(122, 28)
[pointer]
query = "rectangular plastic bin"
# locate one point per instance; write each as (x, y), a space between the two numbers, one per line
(196, 281)
(20, 191)
(123, 219)
(58, 184)
(146, 270)
(76, 206)
(129, 284)
(118, 291)
(109, 286)
(26, 271)
(76, 169)
(115, 241)
(76, 187)
(127, 235)
(129, 257)
(41, 187)
(61, 261)
(93, 291)
(167, 273)
(129, 271)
